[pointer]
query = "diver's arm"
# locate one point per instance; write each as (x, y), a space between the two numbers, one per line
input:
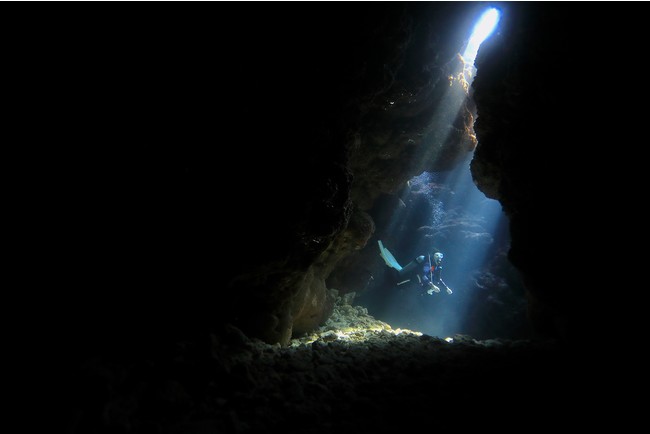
(448, 289)
(433, 288)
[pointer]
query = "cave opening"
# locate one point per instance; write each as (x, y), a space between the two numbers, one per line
(443, 210)
(485, 26)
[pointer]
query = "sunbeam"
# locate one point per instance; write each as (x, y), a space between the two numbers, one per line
(443, 211)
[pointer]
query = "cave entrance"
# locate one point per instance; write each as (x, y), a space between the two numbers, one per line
(443, 211)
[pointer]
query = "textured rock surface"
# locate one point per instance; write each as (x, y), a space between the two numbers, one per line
(354, 374)
(536, 168)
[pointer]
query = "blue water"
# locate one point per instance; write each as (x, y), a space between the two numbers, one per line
(452, 216)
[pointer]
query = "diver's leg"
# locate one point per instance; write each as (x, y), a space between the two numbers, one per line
(388, 257)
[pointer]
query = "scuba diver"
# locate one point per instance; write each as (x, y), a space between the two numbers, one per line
(434, 271)
(426, 273)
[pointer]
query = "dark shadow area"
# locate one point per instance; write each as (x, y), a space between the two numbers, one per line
(187, 184)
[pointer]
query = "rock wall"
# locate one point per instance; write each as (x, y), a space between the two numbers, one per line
(535, 126)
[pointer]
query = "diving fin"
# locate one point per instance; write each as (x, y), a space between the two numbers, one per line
(388, 257)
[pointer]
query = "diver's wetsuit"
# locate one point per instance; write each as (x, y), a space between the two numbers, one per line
(434, 274)
(410, 272)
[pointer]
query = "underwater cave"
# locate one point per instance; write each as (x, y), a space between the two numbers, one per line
(224, 228)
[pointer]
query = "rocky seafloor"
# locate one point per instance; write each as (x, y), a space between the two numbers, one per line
(354, 374)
